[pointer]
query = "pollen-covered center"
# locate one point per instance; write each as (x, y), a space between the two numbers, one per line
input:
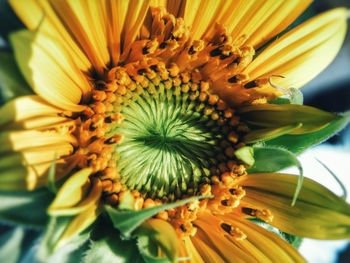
(176, 135)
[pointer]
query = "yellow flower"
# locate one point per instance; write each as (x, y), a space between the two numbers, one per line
(141, 103)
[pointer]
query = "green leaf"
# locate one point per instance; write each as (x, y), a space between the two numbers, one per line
(107, 246)
(70, 252)
(11, 245)
(128, 220)
(245, 154)
(295, 241)
(275, 116)
(25, 208)
(280, 100)
(296, 96)
(154, 234)
(127, 201)
(272, 159)
(12, 83)
(269, 133)
(145, 246)
(299, 143)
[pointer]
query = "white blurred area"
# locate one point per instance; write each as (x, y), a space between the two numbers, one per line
(336, 159)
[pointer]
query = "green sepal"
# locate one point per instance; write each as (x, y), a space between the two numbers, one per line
(272, 159)
(127, 202)
(70, 252)
(245, 154)
(10, 245)
(274, 116)
(269, 133)
(154, 234)
(295, 241)
(280, 100)
(128, 220)
(25, 208)
(12, 83)
(106, 245)
(147, 249)
(295, 97)
(299, 143)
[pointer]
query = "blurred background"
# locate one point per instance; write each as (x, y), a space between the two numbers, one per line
(329, 91)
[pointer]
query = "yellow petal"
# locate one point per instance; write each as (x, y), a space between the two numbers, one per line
(134, 18)
(201, 14)
(269, 20)
(210, 232)
(72, 191)
(262, 244)
(35, 13)
(116, 11)
(24, 108)
(36, 156)
(42, 123)
(318, 213)
(21, 140)
(254, 244)
(303, 52)
(80, 223)
(190, 251)
(27, 177)
(92, 197)
(86, 22)
(208, 254)
(49, 70)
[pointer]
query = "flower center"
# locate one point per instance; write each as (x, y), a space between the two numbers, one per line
(175, 137)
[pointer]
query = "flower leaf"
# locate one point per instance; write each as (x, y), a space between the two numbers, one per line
(154, 234)
(269, 133)
(245, 154)
(106, 245)
(274, 116)
(295, 97)
(145, 246)
(128, 220)
(25, 208)
(10, 242)
(299, 143)
(272, 159)
(112, 249)
(12, 84)
(72, 251)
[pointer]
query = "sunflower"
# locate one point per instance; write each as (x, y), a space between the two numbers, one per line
(164, 122)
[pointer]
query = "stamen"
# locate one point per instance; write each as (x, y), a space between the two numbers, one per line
(235, 232)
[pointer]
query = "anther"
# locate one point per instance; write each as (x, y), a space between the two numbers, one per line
(215, 52)
(251, 84)
(249, 211)
(114, 139)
